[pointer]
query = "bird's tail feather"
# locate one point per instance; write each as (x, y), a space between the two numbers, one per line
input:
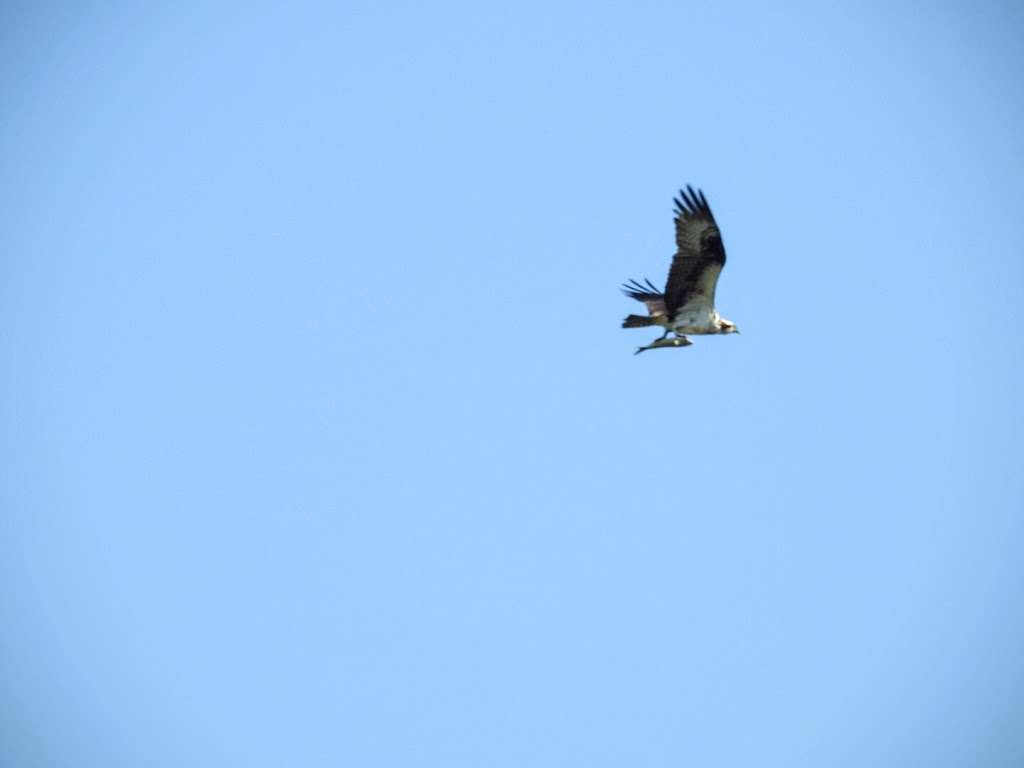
(638, 321)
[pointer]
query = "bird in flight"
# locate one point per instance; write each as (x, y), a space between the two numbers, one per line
(687, 305)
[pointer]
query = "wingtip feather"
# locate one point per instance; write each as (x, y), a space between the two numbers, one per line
(691, 202)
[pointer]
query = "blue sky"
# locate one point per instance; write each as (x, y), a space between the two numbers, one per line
(323, 446)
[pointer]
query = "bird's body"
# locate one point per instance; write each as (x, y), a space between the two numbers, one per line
(687, 305)
(696, 320)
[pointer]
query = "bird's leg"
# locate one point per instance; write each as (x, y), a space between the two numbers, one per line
(666, 333)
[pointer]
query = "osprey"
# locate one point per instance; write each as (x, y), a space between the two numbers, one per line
(687, 305)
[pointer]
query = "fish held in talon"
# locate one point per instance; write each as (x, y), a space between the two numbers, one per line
(663, 343)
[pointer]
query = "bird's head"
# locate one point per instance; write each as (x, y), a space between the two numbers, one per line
(728, 326)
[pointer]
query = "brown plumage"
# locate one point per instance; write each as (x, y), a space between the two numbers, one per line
(700, 254)
(687, 305)
(652, 298)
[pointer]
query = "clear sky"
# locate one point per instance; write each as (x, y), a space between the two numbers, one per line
(322, 444)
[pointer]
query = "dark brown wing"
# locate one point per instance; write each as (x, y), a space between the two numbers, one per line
(700, 254)
(648, 294)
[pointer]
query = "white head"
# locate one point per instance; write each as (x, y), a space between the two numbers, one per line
(727, 326)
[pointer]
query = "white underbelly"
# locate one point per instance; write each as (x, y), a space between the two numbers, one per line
(696, 321)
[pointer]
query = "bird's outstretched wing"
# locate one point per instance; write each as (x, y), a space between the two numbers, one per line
(652, 298)
(699, 257)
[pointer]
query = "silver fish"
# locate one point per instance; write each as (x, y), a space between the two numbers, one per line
(678, 341)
